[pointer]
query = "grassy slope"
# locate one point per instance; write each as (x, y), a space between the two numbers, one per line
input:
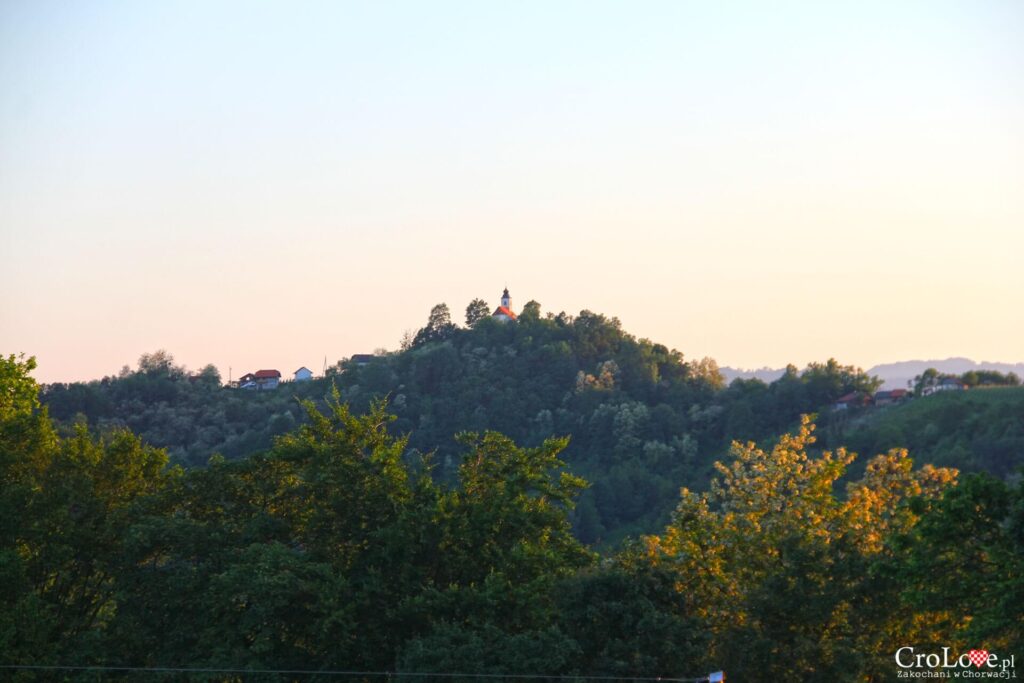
(977, 430)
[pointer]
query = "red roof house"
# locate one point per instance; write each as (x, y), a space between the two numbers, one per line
(853, 399)
(261, 379)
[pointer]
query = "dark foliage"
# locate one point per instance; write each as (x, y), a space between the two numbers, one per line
(337, 549)
(643, 420)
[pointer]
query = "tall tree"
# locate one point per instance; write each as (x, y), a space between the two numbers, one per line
(779, 562)
(439, 326)
(531, 311)
(159, 363)
(505, 541)
(964, 563)
(66, 505)
(476, 311)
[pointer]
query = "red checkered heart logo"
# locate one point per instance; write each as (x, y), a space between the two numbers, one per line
(978, 657)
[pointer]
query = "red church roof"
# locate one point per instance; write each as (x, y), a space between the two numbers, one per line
(266, 374)
(503, 310)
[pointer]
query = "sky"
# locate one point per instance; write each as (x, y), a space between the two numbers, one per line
(268, 184)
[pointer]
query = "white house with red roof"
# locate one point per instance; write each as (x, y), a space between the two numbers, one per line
(261, 379)
(504, 311)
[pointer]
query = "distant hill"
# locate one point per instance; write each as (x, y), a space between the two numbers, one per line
(896, 375)
(893, 375)
(766, 375)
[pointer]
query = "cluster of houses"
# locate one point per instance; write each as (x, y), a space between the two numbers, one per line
(271, 379)
(858, 399)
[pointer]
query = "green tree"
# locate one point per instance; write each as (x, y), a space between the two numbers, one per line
(27, 443)
(159, 363)
(531, 311)
(631, 620)
(705, 371)
(777, 562)
(509, 515)
(66, 505)
(825, 382)
(307, 553)
(976, 378)
(439, 326)
(210, 374)
(927, 379)
(19, 393)
(963, 563)
(476, 311)
(504, 541)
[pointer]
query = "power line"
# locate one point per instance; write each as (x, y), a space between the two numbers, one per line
(328, 672)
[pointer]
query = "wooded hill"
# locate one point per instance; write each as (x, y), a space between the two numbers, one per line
(642, 419)
(337, 550)
(980, 430)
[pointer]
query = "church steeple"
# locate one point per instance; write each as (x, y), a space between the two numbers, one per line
(504, 311)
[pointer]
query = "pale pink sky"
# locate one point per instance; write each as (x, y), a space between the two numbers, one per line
(264, 186)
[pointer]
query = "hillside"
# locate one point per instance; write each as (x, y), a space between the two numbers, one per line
(643, 420)
(981, 430)
(336, 550)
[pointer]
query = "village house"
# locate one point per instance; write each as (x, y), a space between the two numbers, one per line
(261, 379)
(950, 384)
(883, 398)
(854, 399)
(944, 384)
(303, 374)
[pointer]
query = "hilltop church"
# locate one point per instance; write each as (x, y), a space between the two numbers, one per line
(504, 311)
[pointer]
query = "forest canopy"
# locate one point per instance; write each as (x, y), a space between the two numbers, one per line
(337, 548)
(643, 419)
